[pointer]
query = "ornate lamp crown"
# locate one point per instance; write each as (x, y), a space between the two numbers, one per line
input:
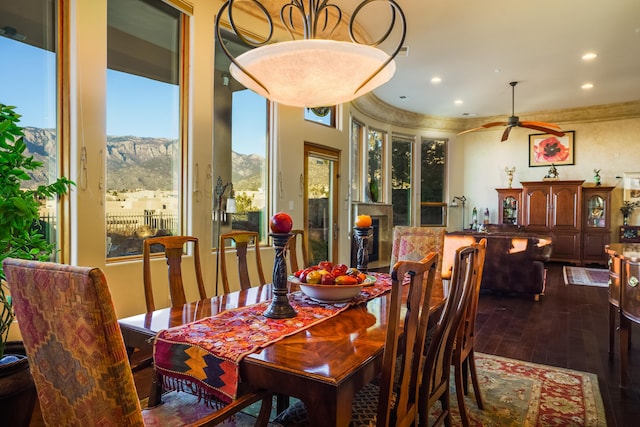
(317, 70)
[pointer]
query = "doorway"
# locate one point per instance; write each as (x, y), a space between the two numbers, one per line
(321, 166)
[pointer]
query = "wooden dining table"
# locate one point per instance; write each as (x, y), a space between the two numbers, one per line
(324, 365)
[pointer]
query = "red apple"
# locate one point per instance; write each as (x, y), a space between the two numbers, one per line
(281, 223)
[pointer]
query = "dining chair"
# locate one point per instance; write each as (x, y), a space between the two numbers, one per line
(435, 377)
(293, 252)
(77, 354)
(463, 359)
(173, 248)
(242, 241)
(392, 399)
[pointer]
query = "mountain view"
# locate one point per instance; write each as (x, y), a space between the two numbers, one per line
(141, 163)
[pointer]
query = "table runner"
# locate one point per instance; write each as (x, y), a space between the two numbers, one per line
(203, 357)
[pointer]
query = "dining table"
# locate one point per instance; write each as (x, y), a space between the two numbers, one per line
(324, 365)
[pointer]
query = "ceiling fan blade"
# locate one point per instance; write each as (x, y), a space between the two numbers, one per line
(543, 129)
(543, 124)
(485, 126)
(505, 135)
(488, 125)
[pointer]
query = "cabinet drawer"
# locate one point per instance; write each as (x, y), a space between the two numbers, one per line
(630, 290)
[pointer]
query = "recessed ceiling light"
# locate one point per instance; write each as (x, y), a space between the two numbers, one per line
(497, 70)
(458, 102)
(436, 80)
(587, 86)
(589, 56)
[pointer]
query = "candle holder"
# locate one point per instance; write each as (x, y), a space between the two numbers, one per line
(280, 307)
(362, 260)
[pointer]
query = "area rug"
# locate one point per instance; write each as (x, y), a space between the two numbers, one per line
(586, 276)
(518, 394)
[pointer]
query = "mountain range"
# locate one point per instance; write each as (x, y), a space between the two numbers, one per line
(138, 162)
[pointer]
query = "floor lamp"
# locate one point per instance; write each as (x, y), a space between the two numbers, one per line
(219, 213)
(454, 204)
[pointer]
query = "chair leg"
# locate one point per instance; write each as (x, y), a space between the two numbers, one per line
(465, 376)
(458, 373)
(471, 360)
(282, 402)
(265, 411)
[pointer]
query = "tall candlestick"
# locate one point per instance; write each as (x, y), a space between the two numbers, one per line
(280, 307)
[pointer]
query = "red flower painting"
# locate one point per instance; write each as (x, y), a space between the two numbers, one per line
(550, 150)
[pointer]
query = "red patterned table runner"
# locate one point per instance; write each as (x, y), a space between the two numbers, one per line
(203, 357)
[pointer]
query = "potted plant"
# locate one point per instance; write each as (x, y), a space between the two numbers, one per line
(21, 236)
(626, 209)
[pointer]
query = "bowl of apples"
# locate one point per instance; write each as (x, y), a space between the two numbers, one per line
(329, 283)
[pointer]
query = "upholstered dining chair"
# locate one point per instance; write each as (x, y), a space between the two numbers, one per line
(242, 240)
(435, 377)
(392, 400)
(293, 252)
(173, 248)
(77, 355)
(463, 359)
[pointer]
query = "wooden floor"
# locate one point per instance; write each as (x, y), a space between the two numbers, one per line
(568, 328)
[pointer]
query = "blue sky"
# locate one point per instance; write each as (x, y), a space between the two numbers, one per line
(135, 105)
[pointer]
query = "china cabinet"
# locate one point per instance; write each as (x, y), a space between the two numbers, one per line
(555, 207)
(596, 223)
(509, 204)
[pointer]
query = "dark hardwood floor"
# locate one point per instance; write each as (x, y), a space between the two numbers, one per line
(568, 328)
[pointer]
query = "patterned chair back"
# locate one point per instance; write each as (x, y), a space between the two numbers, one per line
(73, 341)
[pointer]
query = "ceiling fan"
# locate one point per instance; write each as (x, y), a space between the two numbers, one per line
(514, 121)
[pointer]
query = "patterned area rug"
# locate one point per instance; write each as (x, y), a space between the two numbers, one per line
(518, 394)
(586, 276)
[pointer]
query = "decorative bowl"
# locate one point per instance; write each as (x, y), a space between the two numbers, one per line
(331, 293)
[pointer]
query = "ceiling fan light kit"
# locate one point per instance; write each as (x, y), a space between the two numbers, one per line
(514, 121)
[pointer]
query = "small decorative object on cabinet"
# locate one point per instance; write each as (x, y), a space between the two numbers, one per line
(596, 223)
(509, 202)
(629, 234)
(510, 172)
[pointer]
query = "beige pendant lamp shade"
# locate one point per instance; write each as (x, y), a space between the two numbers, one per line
(314, 71)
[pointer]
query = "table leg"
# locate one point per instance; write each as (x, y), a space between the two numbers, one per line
(625, 326)
(155, 395)
(335, 404)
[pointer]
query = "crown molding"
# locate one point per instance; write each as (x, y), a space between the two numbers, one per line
(375, 108)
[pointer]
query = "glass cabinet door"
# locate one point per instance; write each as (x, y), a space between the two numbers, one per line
(510, 210)
(596, 215)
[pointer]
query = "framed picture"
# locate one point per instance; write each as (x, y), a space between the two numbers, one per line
(631, 187)
(546, 149)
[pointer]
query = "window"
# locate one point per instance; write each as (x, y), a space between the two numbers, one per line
(432, 180)
(323, 115)
(29, 49)
(144, 116)
(375, 148)
(401, 168)
(357, 138)
(240, 147)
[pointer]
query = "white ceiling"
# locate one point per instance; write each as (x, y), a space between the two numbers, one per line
(477, 47)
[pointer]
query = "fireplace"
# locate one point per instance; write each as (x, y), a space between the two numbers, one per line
(382, 233)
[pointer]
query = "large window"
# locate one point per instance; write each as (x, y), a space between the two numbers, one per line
(375, 150)
(357, 138)
(432, 182)
(240, 148)
(401, 167)
(144, 116)
(28, 74)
